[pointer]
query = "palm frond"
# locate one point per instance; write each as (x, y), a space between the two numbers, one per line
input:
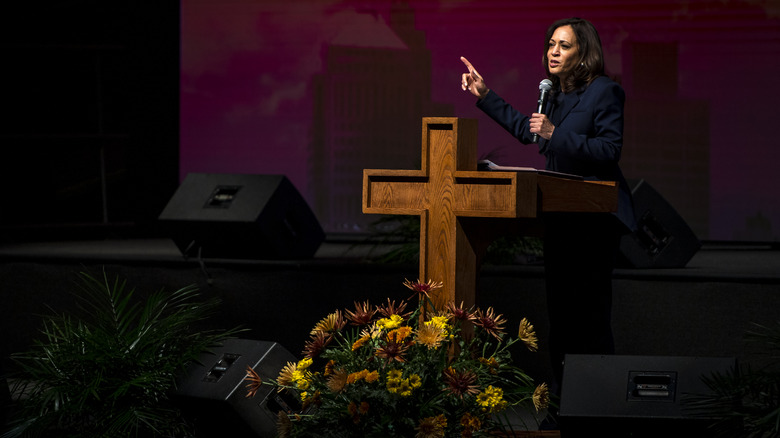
(744, 402)
(109, 370)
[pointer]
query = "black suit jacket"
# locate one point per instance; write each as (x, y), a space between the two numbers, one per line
(588, 136)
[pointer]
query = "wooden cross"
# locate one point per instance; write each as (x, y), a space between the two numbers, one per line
(449, 195)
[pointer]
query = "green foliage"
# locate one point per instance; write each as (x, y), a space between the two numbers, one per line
(744, 402)
(511, 250)
(403, 232)
(108, 371)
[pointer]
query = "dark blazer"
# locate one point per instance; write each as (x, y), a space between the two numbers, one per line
(588, 135)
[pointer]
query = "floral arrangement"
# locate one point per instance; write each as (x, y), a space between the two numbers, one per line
(383, 371)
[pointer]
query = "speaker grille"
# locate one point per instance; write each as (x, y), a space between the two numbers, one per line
(241, 216)
(663, 239)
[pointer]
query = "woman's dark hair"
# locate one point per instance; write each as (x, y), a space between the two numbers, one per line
(591, 62)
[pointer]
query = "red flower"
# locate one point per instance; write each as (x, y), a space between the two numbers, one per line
(489, 322)
(316, 345)
(423, 289)
(390, 309)
(362, 315)
(458, 313)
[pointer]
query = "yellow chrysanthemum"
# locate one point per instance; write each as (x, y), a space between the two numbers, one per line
(393, 385)
(405, 388)
(491, 399)
(331, 323)
(305, 363)
(394, 374)
(298, 374)
(303, 383)
(541, 397)
(374, 332)
(527, 334)
(430, 335)
(470, 423)
(432, 427)
(286, 374)
(491, 363)
(439, 321)
(394, 321)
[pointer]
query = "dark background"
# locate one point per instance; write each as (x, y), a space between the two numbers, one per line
(90, 128)
(108, 105)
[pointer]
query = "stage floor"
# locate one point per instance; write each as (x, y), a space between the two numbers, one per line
(717, 261)
(702, 309)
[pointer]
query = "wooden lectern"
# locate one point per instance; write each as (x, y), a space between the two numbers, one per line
(463, 210)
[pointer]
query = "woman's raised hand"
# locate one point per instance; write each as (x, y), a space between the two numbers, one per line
(472, 81)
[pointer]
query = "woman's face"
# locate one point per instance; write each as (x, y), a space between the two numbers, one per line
(562, 53)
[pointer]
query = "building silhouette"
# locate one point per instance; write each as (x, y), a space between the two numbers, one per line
(666, 137)
(368, 109)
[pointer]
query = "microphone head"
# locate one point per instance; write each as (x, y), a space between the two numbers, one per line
(545, 85)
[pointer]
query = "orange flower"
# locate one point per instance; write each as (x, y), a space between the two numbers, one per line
(361, 341)
(354, 377)
(399, 334)
(255, 382)
(328, 369)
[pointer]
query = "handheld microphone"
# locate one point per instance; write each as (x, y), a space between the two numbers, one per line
(544, 91)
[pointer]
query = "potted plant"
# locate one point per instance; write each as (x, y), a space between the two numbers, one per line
(744, 402)
(385, 371)
(108, 370)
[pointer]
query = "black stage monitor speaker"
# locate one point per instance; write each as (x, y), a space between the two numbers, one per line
(212, 392)
(663, 239)
(241, 216)
(635, 395)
